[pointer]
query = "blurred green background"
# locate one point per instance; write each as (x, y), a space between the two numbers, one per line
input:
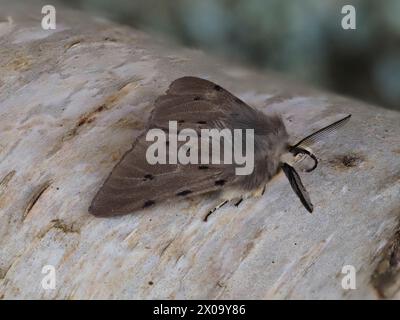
(301, 38)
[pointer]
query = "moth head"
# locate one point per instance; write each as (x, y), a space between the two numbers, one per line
(294, 155)
(288, 158)
(298, 152)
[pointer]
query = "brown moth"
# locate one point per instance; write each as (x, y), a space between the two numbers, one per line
(196, 103)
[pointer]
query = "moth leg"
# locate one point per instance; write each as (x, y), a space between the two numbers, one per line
(259, 192)
(214, 209)
(238, 202)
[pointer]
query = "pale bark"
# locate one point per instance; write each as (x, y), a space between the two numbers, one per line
(72, 101)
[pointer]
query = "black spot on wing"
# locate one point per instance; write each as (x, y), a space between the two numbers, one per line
(202, 167)
(220, 182)
(148, 177)
(184, 193)
(148, 203)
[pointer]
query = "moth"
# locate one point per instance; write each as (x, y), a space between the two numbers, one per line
(197, 103)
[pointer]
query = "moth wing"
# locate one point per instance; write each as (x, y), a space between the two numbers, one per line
(199, 103)
(135, 184)
(196, 104)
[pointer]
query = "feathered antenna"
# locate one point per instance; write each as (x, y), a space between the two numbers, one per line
(300, 146)
(297, 186)
(322, 133)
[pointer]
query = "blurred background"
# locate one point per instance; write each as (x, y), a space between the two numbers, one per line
(301, 38)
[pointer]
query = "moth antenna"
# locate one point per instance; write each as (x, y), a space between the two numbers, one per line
(321, 133)
(297, 186)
